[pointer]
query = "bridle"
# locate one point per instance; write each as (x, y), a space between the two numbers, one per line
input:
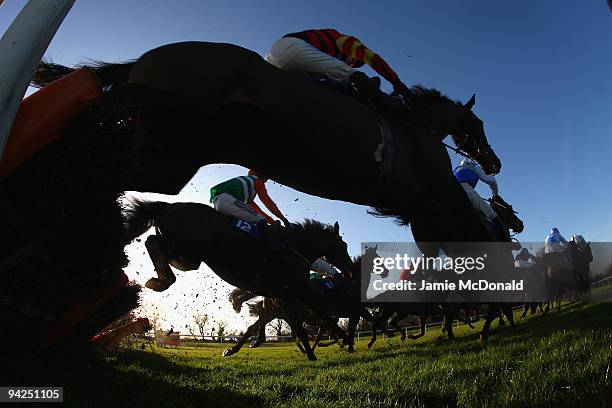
(466, 136)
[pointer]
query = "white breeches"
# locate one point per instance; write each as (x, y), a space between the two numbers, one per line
(478, 202)
(226, 204)
(293, 54)
(322, 267)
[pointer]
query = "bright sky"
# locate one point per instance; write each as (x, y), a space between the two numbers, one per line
(541, 72)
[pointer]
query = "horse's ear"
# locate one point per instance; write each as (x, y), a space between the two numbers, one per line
(471, 102)
(376, 247)
(337, 228)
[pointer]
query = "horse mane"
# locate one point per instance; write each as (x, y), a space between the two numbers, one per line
(108, 73)
(310, 225)
(238, 296)
(381, 212)
(423, 95)
(255, 309)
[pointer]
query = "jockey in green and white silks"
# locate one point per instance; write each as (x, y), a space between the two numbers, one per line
(468, 174)
(236, 198)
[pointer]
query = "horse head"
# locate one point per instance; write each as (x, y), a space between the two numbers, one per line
(322, 240)
(470, 137)
(337, 253)
(368, 258)
(507, 214)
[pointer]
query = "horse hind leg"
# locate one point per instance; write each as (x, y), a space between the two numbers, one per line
(507, 311)
(157, 252)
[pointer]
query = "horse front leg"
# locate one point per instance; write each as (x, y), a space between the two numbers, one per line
(261, 335)
(236, 348)
(395, 324)
(318, 338)
(491, 315)
(380, 322)
(332, 324)
(157, 252)
(298, 329)
(422, 320)
(352, 326)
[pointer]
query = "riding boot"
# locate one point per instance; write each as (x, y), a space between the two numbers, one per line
(367, 87)
(273, 236)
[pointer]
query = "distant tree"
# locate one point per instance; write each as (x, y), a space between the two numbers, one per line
(154, 319)
(279, 327)
(220, 329)
(201, 320)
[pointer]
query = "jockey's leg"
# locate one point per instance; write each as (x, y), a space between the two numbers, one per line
(228, 205)
(483, 206)
(273, 235)
(367, 87)
(293, 54)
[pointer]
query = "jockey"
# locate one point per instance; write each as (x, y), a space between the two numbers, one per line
(235, 198)
(336, 56)
(555, 242)
(323, 268)
(524, 259)
(468, 174)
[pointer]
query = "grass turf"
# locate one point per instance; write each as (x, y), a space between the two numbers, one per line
(563, 359)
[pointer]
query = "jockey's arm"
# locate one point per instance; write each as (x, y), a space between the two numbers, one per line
(488, 179)
(323, 267)
(254, 206)
(260, 187)
(353, 48)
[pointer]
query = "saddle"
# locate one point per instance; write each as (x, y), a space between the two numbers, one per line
(273, 240)
(249, 229)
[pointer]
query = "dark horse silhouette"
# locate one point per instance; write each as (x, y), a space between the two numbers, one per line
(185, 105)
(196, 103)
(266, 311)
(190, 233)
(345, 301)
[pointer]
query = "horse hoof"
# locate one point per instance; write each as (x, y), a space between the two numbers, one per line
(227, 352)
(351, 349)
(370, 344)
(403, 338)
(482, 339)
(157, 285)
(312, 357)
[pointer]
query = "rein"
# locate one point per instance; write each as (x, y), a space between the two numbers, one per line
(302, 257)
(457, 149)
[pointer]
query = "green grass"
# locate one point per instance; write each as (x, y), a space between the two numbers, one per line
(562, 360)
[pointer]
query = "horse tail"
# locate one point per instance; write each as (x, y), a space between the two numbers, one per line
(256, 309)
(140, 215)
(108, 73)
(238, 296)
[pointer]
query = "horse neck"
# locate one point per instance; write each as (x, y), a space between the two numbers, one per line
(441, 117)
(308, 244)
